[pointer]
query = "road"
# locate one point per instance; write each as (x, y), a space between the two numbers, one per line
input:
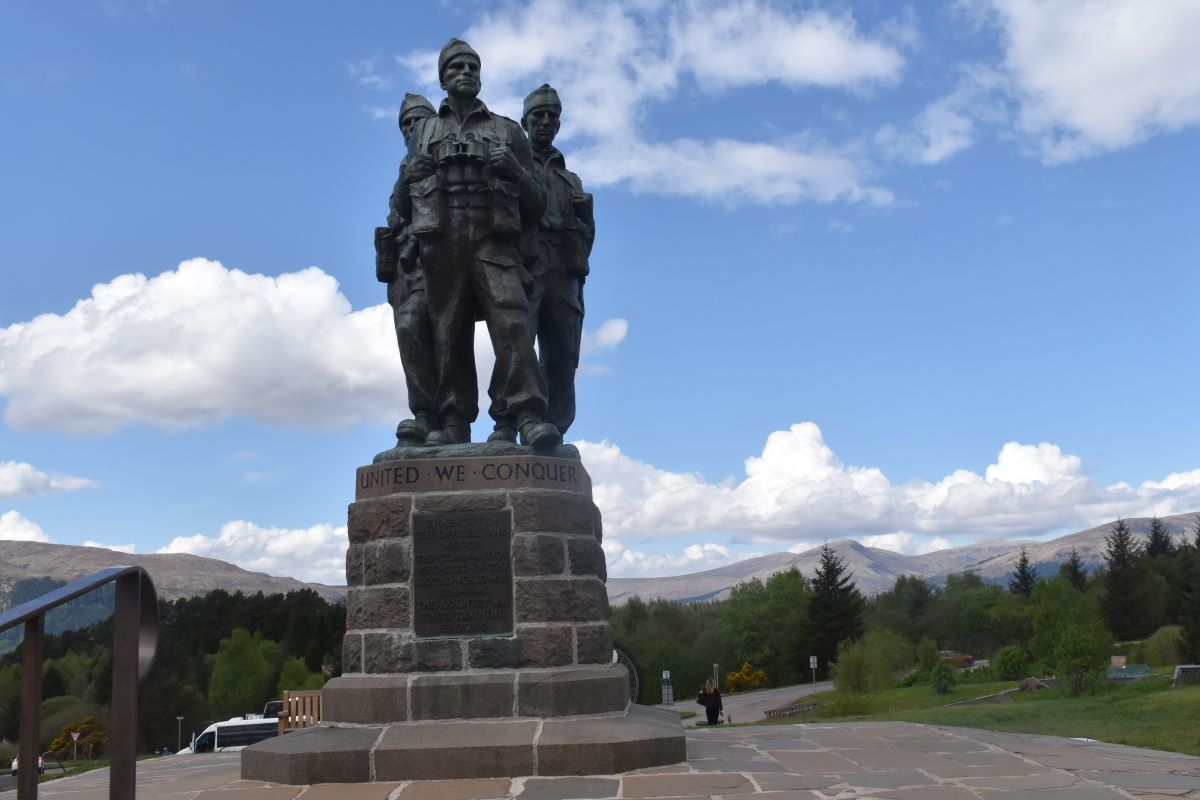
(753, 706)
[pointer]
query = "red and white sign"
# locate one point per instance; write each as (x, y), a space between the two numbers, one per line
(74, 736)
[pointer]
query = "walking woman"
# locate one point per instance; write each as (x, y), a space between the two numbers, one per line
(710, 698)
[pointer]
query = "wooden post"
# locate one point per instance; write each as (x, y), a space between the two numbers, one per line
(31, 709)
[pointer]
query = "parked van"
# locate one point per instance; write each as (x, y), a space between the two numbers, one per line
(235, 733)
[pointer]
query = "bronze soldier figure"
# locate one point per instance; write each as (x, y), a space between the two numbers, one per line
(467, 193)
(564, 239)
(396, 265)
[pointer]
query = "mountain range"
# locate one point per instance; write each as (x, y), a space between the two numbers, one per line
(874, 569)
(175, 575)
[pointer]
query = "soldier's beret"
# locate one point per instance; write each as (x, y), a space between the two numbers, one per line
(540, 97)
(454, 47)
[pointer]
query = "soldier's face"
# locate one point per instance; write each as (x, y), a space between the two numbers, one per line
(408, 123)
(460, 76)
(542, 126)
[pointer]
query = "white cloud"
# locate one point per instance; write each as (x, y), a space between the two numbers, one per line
(798, 490)
(626, 563)
(15, 527)
(120, 548)
(366, 72)
(315, 554)
(906, 543)
(614, 63)
(610, 334)
(19, 479)
(203, 343)
(1093, 77)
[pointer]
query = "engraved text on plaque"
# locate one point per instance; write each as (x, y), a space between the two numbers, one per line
(462, 573)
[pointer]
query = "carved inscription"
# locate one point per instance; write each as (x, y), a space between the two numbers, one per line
(462, 573)
(468, 474)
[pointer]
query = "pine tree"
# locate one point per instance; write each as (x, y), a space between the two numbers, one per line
(1123, 602)
(1196, 523)
(1074, 571)
(1024, 576)
(1160, 543)
(836, 609)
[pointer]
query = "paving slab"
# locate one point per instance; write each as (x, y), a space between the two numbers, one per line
(565, 788)
(701, 785)
(470, 789)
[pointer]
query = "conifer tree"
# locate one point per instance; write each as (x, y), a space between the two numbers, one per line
(1159, 543)
(1024, 576)
(836, 609)
(1074, 571)
(1124, 603)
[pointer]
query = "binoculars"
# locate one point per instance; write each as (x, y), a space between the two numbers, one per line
(469, 148)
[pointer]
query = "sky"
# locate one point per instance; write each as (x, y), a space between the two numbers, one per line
(917, 275)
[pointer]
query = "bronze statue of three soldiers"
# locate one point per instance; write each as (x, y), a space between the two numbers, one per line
(485, 223)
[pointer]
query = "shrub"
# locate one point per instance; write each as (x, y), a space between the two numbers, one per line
(1165, 646)
(1081, 653)
(849, 672)
(941, 677)
(744, 679)
(927, 655)
(1011, 664)
(93, 737)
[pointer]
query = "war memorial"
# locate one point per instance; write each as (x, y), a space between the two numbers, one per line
(477, 641)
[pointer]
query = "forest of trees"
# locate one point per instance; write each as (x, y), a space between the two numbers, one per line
(218, 656)
(1066, 623)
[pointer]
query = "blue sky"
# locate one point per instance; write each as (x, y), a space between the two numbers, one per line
(918, 275)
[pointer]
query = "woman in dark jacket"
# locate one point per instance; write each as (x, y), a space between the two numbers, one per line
(710, 698)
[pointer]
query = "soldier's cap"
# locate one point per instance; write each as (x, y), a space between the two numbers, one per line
(454, 47)
(415, 102)
(541, 97)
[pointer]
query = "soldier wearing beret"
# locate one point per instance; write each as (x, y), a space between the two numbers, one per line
(396, 265)
(468, 192)
(564, 239)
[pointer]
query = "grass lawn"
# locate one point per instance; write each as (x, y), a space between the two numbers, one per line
(1145, 714)
(78, 767)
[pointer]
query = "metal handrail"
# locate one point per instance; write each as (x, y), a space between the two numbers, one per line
(135, 632)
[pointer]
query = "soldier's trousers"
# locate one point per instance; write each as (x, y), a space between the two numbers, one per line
(414, 335)
(467, 270)
(556, 309)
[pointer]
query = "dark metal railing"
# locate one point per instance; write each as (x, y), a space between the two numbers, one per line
(135, 631)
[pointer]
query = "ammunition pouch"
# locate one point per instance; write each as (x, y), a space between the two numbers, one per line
(428, 206)
(386, 255)
(506, 208)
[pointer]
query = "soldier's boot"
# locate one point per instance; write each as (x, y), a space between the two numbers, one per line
(539, 435)
(504, 432)
(413, 432)
(454, 430)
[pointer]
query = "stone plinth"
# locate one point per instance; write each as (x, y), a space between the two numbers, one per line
(477, 641)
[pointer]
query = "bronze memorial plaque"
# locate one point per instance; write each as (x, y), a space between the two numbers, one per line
(462, 573)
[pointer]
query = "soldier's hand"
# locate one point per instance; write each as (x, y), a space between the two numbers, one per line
(504, 163)
(420, 168)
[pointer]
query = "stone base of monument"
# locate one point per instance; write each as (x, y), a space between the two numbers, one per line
(599, 744)
(477, 642)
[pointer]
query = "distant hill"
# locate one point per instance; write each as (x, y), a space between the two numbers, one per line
(175, 575)
(876, 570)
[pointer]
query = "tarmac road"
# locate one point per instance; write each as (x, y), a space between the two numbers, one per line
(7, 782)
(752, 706)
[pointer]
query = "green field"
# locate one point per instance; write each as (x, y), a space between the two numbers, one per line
(1145, 714)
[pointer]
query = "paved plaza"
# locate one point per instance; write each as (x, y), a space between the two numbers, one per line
(896, 760)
